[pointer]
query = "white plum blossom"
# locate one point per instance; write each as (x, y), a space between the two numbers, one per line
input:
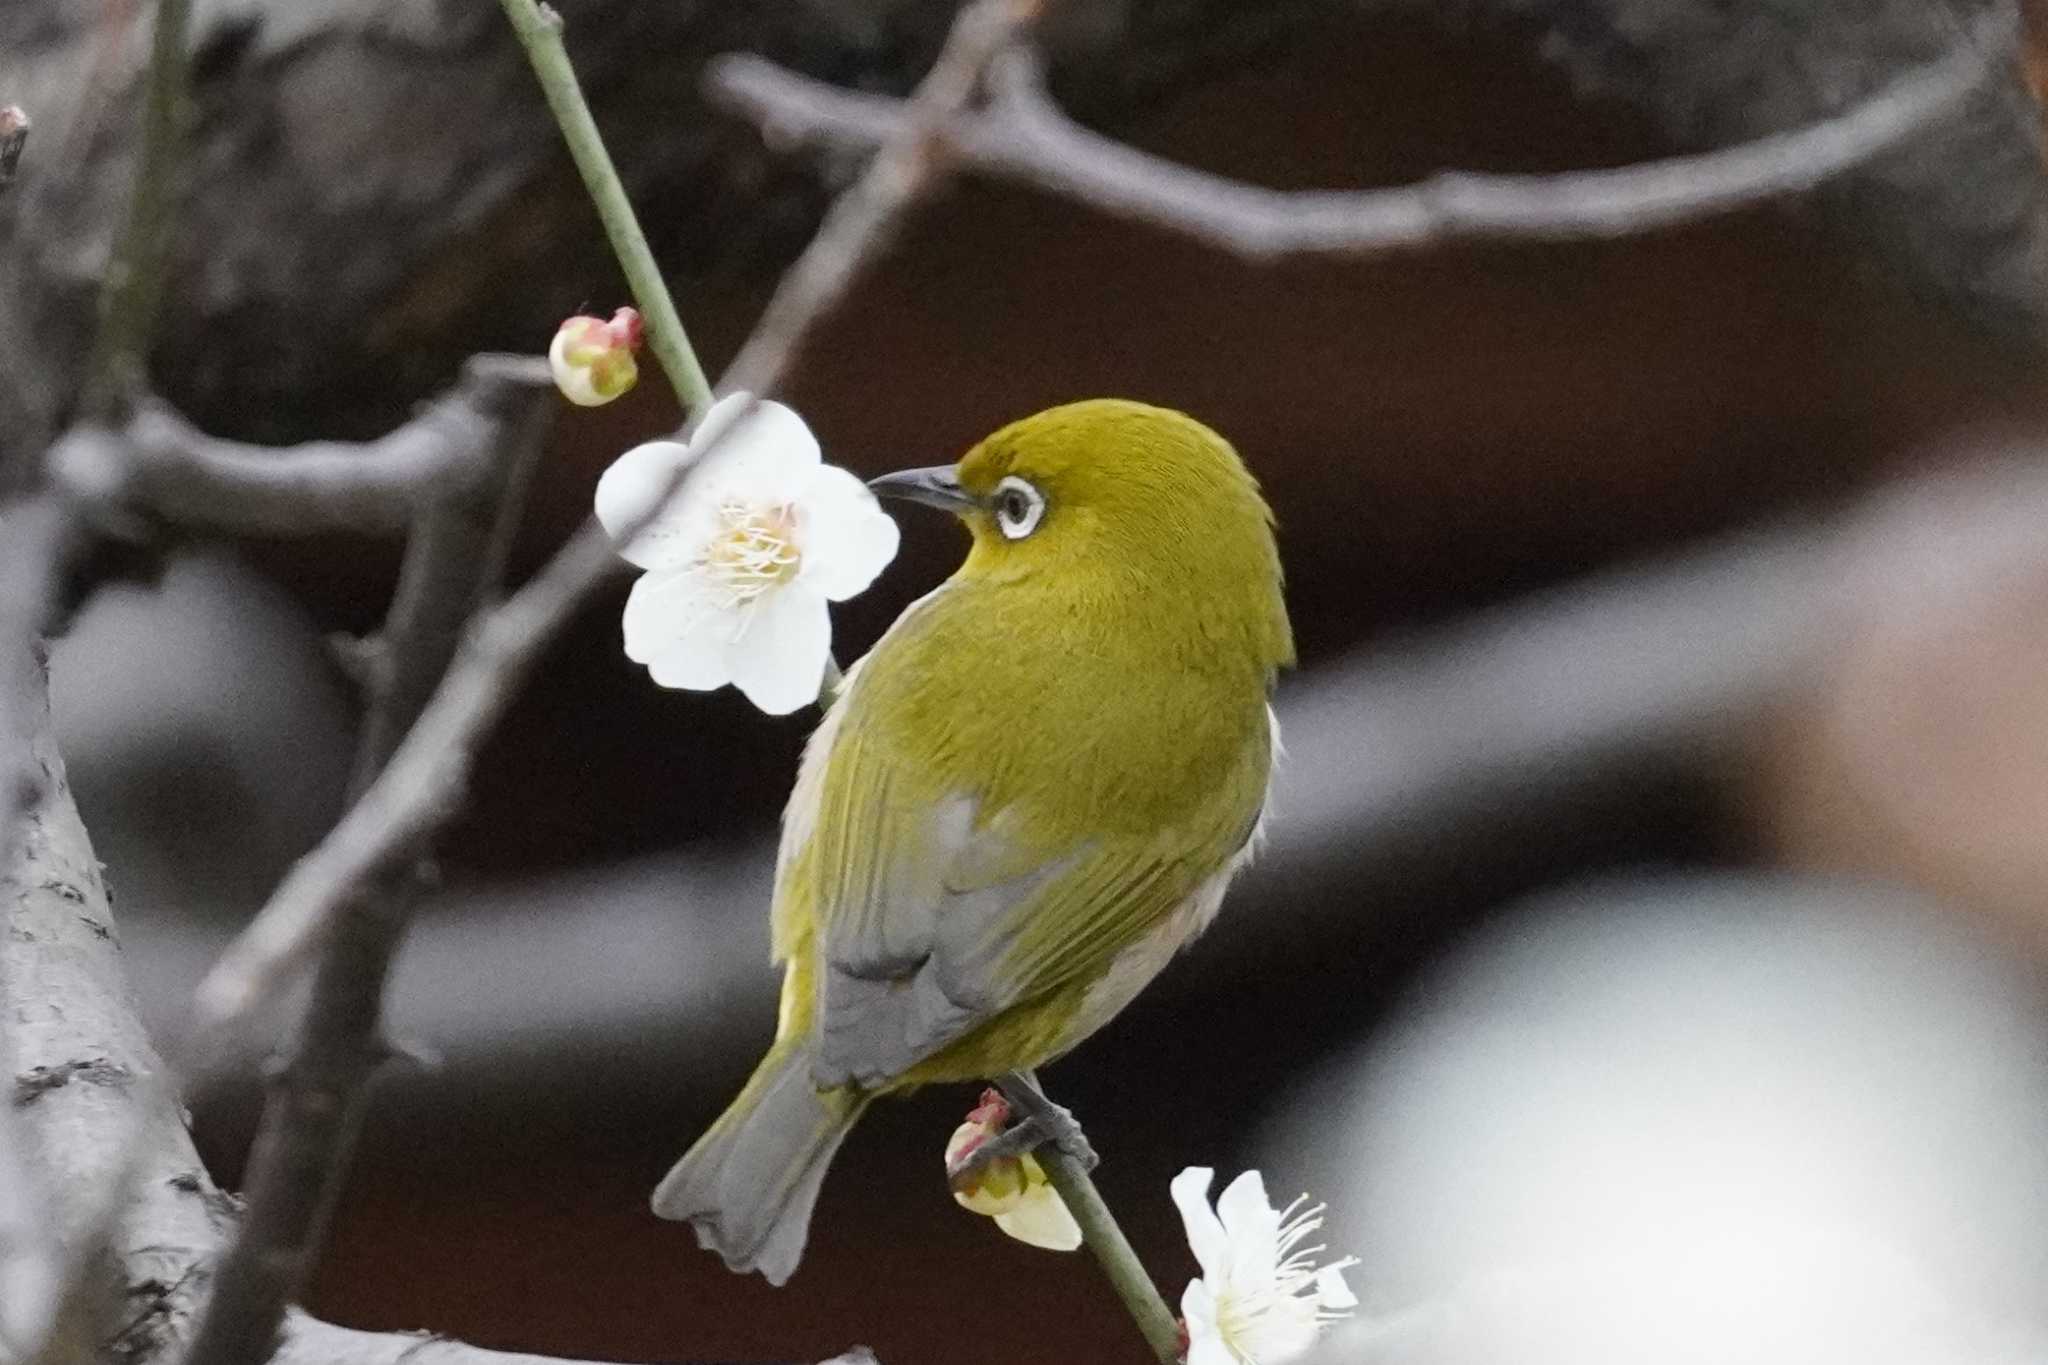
(1261, 1299)
(741, 562)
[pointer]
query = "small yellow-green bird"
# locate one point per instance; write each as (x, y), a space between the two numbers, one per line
(1030, 794)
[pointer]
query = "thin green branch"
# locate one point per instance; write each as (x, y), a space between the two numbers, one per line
(1113, 1252)
(1059, 1140)
(134, 284)
(540, 33)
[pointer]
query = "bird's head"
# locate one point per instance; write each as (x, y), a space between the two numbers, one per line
(1143, 500)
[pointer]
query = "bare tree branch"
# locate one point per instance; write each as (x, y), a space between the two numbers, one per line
(1022, 135)
(86, 1090)
(14, 127)
(157, 466)
(436, 462)
(426, 777)
(93, 1109)
(338, 906)
(453, 563)
(863, 220)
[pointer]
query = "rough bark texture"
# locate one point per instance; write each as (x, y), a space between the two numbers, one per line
(90, 1100)
(82, 1076)
(379, 191)
(373, 188)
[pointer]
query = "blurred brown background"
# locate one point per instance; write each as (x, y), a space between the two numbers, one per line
(1441, 434)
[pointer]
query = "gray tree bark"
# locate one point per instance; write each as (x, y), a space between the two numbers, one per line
(373, 189)
(376, 190)
(84, 1082)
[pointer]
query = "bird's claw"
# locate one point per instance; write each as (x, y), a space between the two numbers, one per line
(1052, 1122)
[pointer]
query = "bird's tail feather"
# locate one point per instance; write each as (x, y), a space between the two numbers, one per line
(748, 1185)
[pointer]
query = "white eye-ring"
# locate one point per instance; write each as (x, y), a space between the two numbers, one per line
(1018, 507)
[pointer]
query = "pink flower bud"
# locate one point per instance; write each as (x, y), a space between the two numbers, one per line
(592, 359)
(993, 1187)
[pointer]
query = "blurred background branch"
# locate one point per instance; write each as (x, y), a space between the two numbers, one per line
(1023, 135)
(161, 469)
(453, 566)
(428, 772)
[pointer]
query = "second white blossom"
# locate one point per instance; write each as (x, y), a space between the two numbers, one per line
(1261, 1299)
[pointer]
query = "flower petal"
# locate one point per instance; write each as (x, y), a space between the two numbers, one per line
(1206, 1345)
(1243, 1206)
(1041, 1219)
(1331, 1292)
(1205, 1232)
(630, 489)
(847, 538)
(1252, 1226)
(696, 658)
(663, 607)
(1284, 1328)
(768, 454)
(778, 657)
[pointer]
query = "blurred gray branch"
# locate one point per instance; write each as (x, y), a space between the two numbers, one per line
(466, 507)
(92, 1108)
(424, 782)
(161, 468)
(1021, 134)
(346, 901)
(357, 282)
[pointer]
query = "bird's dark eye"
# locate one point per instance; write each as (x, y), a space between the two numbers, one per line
(1018, 506)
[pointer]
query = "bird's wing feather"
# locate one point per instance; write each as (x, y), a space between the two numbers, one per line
(935, 916)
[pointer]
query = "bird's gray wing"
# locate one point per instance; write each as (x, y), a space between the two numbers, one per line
(918, 901)
(936, 916)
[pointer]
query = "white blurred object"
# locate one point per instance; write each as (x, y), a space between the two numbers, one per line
(1733, 1121)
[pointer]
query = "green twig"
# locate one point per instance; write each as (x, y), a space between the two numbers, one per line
(540, 33)
(134, 284)
(1113, 1252)
(1061, 1138)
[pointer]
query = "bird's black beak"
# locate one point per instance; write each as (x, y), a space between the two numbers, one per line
(935, 487)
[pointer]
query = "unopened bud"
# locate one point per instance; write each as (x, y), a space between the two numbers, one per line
(1013, 1190)
(992, 1187)
(592, 359)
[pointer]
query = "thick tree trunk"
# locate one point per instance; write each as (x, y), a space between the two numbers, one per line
(87, 1090)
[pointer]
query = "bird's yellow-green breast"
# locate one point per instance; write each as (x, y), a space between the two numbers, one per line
(1059, 748)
